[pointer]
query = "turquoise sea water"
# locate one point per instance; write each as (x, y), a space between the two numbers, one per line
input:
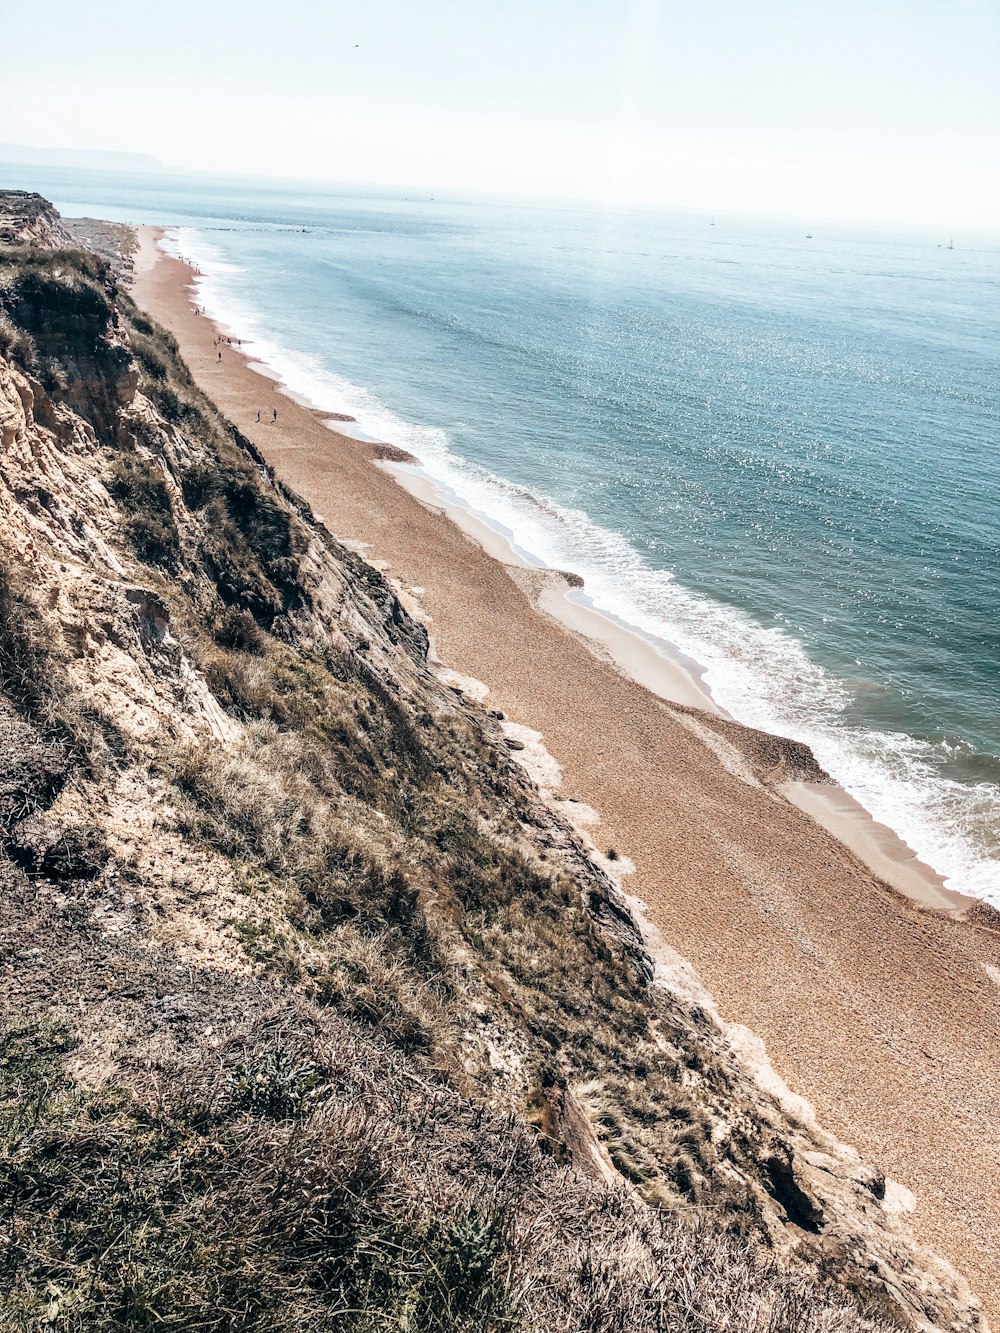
(777, 452)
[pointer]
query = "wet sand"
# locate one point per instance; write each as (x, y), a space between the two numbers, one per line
(879, 1009)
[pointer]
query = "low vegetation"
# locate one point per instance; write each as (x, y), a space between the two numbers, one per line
(301, 1177)
(381, 1103)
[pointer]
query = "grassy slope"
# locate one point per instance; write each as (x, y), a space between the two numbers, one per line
(364, 1117)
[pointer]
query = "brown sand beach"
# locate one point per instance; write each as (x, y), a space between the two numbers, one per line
(878, 1001)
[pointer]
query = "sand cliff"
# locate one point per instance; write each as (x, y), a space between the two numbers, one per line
(277, 885)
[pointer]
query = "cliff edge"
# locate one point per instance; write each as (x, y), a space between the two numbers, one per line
(316, 1014)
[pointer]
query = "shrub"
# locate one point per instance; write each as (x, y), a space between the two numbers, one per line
(150, 358)
(62, 301)
(15, 344)
(139, 487)
(199, 485)
(236, 629)
(277, 1082)
(154, 539)
(466, 1283)
(174, 407)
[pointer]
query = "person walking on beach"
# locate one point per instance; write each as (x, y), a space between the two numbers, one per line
(258, 416)
(220, 356)
(274, 415)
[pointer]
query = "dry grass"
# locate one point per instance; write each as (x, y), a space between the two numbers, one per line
(295, 1180)
(139, 487)
(16, 345)
(410, 920)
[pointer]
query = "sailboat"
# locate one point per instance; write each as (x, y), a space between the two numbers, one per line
(951, 244)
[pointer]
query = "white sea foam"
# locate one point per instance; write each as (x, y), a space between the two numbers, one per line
(761, 676)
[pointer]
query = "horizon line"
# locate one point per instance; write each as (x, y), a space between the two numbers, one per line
(597, 203)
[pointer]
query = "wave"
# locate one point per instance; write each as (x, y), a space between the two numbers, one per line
(762, 676)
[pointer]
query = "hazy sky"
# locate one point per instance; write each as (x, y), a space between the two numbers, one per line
(882, 109)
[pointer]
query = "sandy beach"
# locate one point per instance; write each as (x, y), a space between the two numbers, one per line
(876, 993)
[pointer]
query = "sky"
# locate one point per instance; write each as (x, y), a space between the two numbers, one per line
(884, 110)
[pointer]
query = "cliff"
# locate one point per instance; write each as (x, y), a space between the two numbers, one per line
(28, 219)
(316, 1014)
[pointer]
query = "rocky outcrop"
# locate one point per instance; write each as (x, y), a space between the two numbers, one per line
(28, 219)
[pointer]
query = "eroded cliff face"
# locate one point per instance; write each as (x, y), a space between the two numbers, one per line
(29, 219)
(319, 1006)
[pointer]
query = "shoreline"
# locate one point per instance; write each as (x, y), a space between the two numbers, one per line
(665, 671)
(656, 664)
(883, 1013)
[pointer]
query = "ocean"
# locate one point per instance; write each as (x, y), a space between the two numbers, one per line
(771, 444)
